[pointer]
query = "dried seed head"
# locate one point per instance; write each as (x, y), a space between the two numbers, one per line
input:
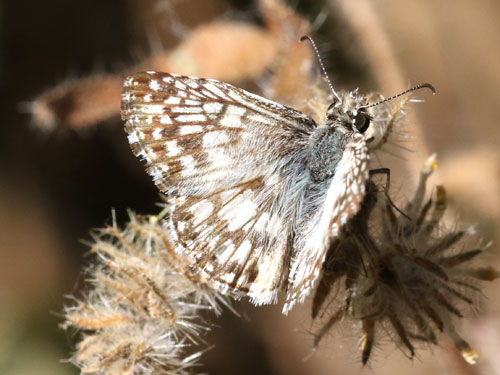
(143, 309)
(411, 278)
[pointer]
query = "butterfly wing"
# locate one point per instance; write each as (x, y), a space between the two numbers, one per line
(200, 135)
(239, 247)
(325, 215)
(235, 160)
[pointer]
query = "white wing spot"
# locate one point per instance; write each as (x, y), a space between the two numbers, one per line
(209, 268)
(335, 230)
(242, 252)
(212, 107)
(172, 100)
(208, 94)
(343, 218)
(180, 85)
(165, 119)
(156, 174)
(132, 138)
(154, 85)
(157, 133)
(223, 256)
(189, 165)
(191, 118)
(168, 80)
(153, 108)
(228, 277)
(213, 242)
(232, 117)
(192, 102)
(241, 214)
(186, 109)
(190, 129)
(172, 148)
(218, 158)
(354, 188)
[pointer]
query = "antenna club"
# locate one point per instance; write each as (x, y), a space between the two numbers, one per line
(417, 87)
(428, 86)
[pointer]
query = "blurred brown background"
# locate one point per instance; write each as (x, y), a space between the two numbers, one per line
(57, 186)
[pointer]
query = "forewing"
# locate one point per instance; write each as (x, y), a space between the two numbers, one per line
(340, 201)
(200, 135)
(233, 160)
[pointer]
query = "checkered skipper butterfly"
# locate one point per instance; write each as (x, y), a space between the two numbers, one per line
(259, 189)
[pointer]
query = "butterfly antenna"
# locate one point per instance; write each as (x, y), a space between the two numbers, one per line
(321, 64)
(417, 87)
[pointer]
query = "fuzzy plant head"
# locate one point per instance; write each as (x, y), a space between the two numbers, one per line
(143, 309)
(407, 277)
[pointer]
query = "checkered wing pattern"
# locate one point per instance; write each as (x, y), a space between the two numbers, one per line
(234, 161)
(198, 136)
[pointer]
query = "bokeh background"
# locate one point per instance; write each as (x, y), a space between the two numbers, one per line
(58, 184)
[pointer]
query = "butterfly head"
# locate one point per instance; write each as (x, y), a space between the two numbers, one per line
(349, 111)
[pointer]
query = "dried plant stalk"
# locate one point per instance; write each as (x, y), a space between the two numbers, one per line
(77, 103)
(213, 50)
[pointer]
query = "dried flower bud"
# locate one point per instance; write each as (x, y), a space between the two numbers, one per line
(77, 103)
(213, 50)
(411, 278)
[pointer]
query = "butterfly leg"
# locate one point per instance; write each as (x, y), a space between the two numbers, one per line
(387, 173)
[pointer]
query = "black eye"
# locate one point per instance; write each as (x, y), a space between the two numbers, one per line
(362, 121)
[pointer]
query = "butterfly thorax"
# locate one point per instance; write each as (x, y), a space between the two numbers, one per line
(327, 143)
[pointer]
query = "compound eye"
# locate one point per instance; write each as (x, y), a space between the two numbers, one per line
(362, 121)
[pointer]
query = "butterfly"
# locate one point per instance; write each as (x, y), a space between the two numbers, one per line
(259, 190)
